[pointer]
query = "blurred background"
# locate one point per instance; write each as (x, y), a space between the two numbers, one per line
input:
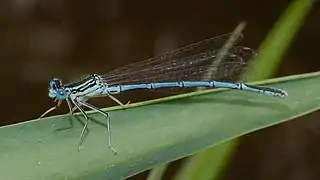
(41, 39)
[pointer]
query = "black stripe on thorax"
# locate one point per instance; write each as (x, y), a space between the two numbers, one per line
(82, 85)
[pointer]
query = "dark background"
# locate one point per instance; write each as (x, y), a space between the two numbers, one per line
(40, 39)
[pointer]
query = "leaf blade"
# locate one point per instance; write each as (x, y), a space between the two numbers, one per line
(149, 134)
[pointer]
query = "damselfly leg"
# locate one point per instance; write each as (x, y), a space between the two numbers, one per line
(71, 111)
(118, 101)
(108, 123)
(51, 109)
(85, 128)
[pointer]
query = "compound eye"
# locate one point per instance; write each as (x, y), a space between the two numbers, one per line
(61, 92)
(56, 84)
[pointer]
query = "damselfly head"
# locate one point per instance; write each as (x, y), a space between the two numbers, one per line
(57, 90)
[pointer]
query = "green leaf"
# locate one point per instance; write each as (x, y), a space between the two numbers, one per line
(265, 66)
(149, 133)
(157, 172)
(209, 163)
(280, 38)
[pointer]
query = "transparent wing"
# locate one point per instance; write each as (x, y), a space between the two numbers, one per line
(190, 63)
(210, 44)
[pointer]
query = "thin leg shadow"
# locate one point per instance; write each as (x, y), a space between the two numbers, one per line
(71, 126)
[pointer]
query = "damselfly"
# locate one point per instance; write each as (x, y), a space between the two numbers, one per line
(185, 67)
